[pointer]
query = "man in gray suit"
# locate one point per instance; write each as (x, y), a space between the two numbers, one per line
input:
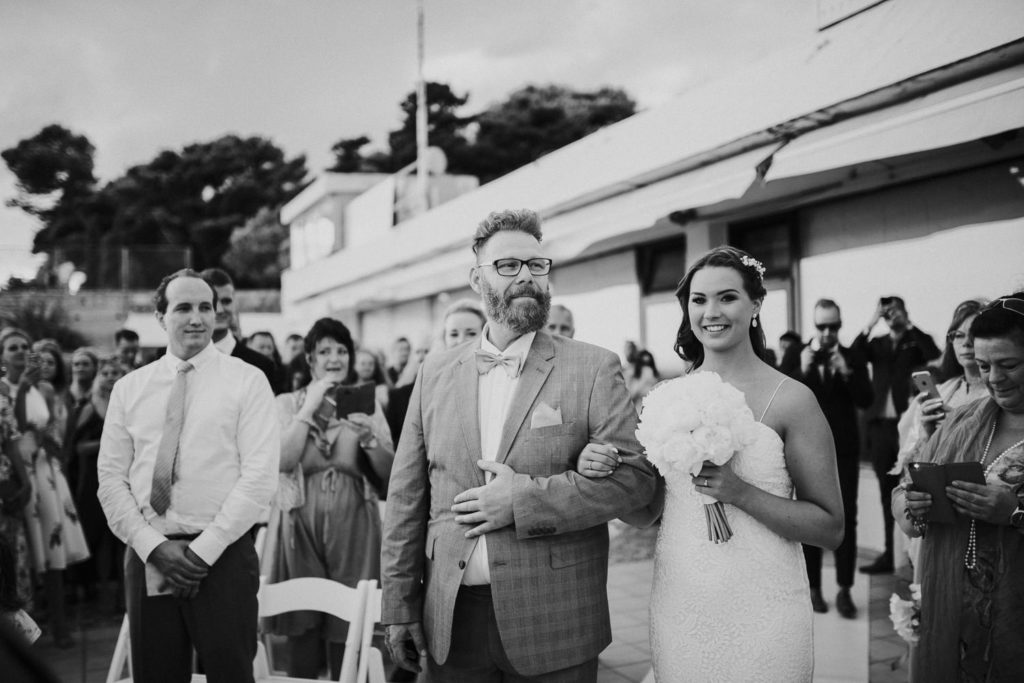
(495, 551)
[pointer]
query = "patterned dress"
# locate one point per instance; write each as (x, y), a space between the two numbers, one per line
(12, 525)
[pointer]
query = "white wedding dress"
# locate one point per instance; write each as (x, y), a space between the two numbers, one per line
(735, 611)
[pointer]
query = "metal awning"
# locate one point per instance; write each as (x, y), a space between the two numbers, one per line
(975, 110)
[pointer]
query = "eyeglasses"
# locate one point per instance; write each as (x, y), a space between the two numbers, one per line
(830, 327)
(510, 267)
(1009, 303)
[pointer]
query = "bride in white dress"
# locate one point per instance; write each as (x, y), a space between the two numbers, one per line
(740, 610)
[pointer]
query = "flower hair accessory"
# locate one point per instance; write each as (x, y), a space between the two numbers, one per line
(752, 262)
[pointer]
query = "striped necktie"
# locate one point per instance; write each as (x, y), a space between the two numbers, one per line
(167, 454)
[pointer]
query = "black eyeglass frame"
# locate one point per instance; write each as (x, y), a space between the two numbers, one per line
(543, 266)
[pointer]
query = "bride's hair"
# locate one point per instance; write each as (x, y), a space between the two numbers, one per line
(688, 347)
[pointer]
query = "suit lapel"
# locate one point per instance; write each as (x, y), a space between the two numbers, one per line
(467, 388)
(536, 369)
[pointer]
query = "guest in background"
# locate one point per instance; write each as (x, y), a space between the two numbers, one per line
(227, 320)
(369, 370)
(962, 383)
(263, 343)
(15, 493)
(462, 321)
(84, 449)
(292, 348)
(127, 346)
(560, 321)
(838, 378)
(972, 570)
(54, 534)
(298, 372)
(893, 357)
(790, 345)
(644, 376)
(53, 384)
(400, 352)
(331, 527)
(83, 374)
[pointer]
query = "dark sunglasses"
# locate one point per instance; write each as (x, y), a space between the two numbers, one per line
(831, 327)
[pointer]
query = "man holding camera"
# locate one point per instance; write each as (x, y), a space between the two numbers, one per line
(838, 377)
(893, 357)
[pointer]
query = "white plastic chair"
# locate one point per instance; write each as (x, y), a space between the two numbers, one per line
(318, 595)
(371, 661)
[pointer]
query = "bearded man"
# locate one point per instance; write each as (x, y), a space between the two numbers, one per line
(495, 551)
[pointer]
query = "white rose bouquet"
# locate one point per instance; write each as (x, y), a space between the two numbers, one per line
(691, 420)
(906, 614)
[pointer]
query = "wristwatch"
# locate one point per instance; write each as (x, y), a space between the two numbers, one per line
(1017, 517)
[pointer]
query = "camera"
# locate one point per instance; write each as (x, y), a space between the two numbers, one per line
(821, 356)
(886, 300)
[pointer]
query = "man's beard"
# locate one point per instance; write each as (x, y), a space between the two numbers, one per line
(521, 318)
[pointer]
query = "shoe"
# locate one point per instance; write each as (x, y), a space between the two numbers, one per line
(883, 565)
(844, 604)
(818, 602)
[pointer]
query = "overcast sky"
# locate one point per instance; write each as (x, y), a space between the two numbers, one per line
(138, 76)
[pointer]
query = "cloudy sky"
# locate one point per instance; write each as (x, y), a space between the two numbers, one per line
(138, 76)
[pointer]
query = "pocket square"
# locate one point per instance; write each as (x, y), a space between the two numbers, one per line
(545, 416)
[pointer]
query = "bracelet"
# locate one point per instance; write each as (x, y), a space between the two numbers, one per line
(372, 443)
(920, 526)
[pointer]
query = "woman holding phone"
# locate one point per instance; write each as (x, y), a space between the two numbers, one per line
(972, 570)
(961, 384)
(327, 514)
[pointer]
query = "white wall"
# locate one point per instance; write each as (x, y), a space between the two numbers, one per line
(932, 274)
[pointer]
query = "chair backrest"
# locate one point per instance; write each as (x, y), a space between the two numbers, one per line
(371, 662)
(321, 595)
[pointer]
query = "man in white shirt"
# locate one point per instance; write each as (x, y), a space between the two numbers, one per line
(495, 551)
(188, 462)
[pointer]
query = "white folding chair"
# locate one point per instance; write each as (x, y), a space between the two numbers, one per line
(319, 595)
(120, 660)
(371, 661)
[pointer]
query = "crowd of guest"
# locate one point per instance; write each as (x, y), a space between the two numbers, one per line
(341, 408)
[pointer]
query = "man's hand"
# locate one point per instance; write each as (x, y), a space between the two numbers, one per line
(839, 366)
(182, 568)
(406, 644)
(489, 506)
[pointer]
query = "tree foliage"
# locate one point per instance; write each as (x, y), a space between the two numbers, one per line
(255, 254)
(188, 199)
(530, 123)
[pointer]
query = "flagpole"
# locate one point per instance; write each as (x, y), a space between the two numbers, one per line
(422, 195)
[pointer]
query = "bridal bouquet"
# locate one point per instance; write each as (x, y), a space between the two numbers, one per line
(906, 614)
(695, 419)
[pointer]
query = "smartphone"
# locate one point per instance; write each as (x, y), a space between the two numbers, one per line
(360, 399)
(925, 384)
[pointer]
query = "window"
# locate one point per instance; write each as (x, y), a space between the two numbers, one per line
(661, 265)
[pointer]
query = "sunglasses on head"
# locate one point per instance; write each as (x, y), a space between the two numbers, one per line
(1009, 303)
(831, 327)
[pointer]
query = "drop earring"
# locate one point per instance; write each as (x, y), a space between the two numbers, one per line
(753, 323)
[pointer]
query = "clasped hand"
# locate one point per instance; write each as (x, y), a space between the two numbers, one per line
(183, 569)
(489, 507)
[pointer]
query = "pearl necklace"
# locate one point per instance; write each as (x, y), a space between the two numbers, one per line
(971, 558)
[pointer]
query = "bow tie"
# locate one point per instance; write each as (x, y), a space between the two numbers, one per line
(487, 361)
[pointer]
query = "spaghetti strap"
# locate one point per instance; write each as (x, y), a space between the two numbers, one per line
(765, 412)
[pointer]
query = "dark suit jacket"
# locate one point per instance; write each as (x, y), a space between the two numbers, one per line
(891, 367)
(549, 568)
(264, 364)
(839, 398)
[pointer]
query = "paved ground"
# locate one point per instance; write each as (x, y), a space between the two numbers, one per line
(845, 650)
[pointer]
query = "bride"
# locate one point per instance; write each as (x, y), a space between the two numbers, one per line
(739, 610)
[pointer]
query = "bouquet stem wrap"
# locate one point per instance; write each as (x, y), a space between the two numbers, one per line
(690, 421)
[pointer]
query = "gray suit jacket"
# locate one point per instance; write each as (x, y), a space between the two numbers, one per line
(549, 569)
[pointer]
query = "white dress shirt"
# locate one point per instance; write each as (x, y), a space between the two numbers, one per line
(226, 469)
(496, 390)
